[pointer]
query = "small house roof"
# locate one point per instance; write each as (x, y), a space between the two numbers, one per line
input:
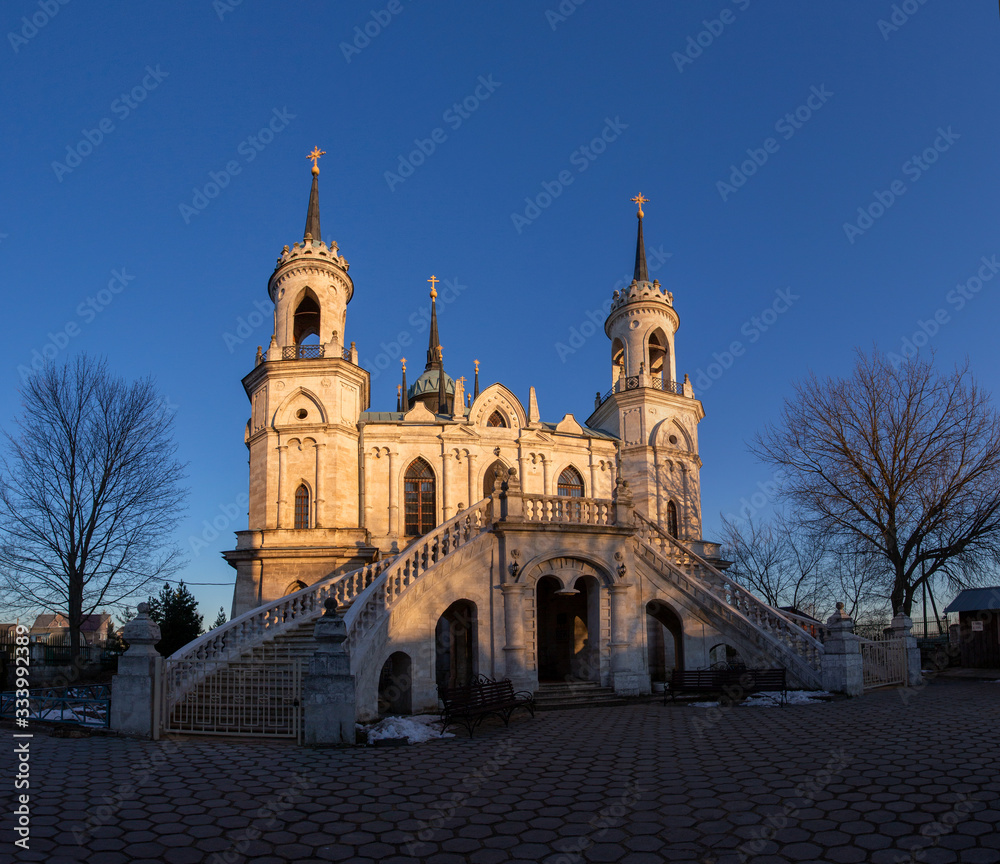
(975, 599)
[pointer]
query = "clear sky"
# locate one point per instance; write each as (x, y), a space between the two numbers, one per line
(117, 117)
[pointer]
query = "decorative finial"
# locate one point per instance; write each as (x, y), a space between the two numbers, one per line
(403, 361)
(462, 379)
(476, 362)
(433, 280)
(640, 201)
(316, 153)
(440, 353)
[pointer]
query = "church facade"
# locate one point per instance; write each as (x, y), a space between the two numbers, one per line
(462, 532)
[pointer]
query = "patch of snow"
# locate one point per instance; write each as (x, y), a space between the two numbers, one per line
(761, 700)
(416, 729)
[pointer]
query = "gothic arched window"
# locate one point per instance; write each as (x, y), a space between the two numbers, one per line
(419, 498)
(497, 419)
(672, 519)
(571, 483)
(302, 507)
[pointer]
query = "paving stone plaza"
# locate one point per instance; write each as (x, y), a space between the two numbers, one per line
(893, 776)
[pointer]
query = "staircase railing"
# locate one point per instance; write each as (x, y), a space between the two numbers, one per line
(566, 509)
(419, 557)
(730, 594)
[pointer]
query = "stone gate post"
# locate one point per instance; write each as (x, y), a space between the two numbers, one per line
(902, 628)
(842, 664)
(328, 687)
(133, 689)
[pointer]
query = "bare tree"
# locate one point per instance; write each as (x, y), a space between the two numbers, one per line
(900, 460)
(89, 493)
(771, 558)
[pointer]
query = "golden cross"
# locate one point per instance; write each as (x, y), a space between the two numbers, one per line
(640, 201)
(462, 379)
(433, 280)
(316, 153)
(477, 364)
(403, 361)
(440, 353)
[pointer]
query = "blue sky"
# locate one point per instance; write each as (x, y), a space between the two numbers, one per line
(165, 95)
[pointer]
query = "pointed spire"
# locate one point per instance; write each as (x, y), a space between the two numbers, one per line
(442, 392)
(641, 274)
(434, 341)
(399, 398)
(312, 215)
(404, 397)
(476, 390)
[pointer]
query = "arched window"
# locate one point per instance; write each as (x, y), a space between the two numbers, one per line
(672, 519)
(658, 366)
(489, 478)
(497, 419)
(306, 318)
(617, 360)
(571, 483)
(419, 498)
(302, 507)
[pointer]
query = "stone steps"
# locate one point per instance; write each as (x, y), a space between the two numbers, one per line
(583, 694)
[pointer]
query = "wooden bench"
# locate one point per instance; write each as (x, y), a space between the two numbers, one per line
(733, 683)
(469, 706)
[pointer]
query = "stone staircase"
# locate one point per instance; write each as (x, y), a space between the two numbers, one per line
(776, 636)
(575, 694)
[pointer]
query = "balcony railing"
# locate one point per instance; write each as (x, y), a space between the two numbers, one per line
(301, 352)
(638, 382)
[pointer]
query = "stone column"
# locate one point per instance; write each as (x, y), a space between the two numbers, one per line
(545, 475)
(318, 518)
(282, 460)
(842, 663)
(515, 666)
(393, 506)
(512, 504)
(133, 689)
(445, 490)
(624, 678)
(328, 692)
(470, 459)
(902, 628)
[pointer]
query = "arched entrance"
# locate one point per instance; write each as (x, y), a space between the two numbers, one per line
(394, 685)
(566, 618)
(455, 645)
(725, 656)
(664, 641)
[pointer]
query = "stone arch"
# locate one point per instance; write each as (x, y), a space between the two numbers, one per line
(489, 475)
(566, 566)
(300, 399)
(673, 519)
(296, 585)
(670, 428)
(664, 640)
(658, 354)
(420, 491)
(395, 684)
(496, 397)
(306, 317)
(456, 641)
(619, 359)
(725, 653)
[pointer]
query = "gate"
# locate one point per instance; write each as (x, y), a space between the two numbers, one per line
(256, 695)
(883, 662)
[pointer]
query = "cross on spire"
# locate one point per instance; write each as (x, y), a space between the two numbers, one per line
(433, 280)
(640, 200)
(316, 153)
(641, 273)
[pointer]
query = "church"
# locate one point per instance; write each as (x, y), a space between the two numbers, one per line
(462, 533)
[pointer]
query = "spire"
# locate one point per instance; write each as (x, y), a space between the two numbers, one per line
(312, 215)
(641, 273)
(434, 341)
(404, 397)
(476, 390)
(442, 391)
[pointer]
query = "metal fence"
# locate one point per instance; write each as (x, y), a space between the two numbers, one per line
(883, 662)
(259, 695)
(82, 704)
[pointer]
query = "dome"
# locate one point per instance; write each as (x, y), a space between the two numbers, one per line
(428, 383)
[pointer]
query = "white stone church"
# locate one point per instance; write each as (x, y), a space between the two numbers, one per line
(467, 535)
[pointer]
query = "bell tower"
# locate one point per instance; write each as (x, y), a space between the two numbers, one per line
(306, 396)
(653, 415)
